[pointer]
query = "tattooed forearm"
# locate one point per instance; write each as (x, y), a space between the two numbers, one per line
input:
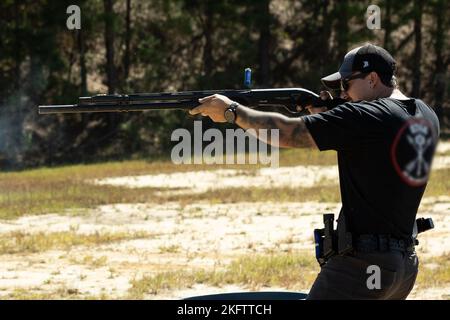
(300, 136)
(292, 131)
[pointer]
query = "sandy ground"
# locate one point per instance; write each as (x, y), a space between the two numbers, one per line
(443, 147)
(203, 181)
(203, 235)
(188, 237)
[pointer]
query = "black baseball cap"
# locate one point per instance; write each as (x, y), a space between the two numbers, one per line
(365, 59)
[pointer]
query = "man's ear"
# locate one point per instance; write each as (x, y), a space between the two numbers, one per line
(374, 79)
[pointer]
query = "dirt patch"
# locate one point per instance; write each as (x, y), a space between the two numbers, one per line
(429, 293)
(443, 147)
(203, 181)
(199, 235)
(195, 236)
(441, 162)
(435, 242)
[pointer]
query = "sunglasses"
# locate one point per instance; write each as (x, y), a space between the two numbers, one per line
(345, 82)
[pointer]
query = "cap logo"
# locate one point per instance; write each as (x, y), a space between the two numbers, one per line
(366, 64)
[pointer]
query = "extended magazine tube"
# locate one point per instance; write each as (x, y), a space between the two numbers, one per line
(77, 108)
(293, 99)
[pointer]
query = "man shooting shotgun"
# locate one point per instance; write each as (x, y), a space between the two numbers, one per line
(385, 143)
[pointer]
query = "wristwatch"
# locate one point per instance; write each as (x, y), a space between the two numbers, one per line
(230, 112)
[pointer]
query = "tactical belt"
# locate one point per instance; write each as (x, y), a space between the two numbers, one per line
(382, 243)
(330, 242)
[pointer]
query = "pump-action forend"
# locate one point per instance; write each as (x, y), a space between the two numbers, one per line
(292, 99)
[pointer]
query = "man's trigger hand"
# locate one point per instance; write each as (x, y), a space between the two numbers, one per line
(213, 106)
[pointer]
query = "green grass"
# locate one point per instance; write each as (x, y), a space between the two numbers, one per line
(90, 261)
(296, 157)
(19, 242)
(326, 193)
(170, 249)
(54, 190)
(61, 293)
(56, 196)
(439, 183)
(48, 190)
(295, 271)
(434, 272)
(288, 270)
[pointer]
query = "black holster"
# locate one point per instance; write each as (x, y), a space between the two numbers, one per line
(330, 242)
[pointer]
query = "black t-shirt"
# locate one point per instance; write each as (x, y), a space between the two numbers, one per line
(385, 148)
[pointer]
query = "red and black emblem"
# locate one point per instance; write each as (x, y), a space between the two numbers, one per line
(412, 151)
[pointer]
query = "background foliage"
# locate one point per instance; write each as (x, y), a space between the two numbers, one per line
(173, 45)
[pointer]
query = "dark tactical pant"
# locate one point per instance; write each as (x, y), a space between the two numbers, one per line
(345, 277)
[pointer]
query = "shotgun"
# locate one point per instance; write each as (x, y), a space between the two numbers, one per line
(292, 99)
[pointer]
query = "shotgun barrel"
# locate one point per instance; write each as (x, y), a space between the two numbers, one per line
(292, 99)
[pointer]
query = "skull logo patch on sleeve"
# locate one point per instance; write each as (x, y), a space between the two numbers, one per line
(412, 151)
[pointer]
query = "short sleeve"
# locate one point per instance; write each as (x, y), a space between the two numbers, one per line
(348, 126)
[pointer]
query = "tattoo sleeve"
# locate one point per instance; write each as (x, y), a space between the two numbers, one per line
(292, 131)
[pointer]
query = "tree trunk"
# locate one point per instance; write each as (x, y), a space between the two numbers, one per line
(342, 29)
(264, 43)
(110, 67)
(208, 61)
(83, 72)
(325, 37)
(441, 63)
(109, 44)
(17, 46)
(387, 26)
(72, 56)
(418, 7)
(126, 57)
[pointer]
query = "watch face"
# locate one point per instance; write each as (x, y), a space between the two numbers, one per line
(229, 115)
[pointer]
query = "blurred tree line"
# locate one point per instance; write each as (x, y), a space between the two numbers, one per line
(173, 45)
